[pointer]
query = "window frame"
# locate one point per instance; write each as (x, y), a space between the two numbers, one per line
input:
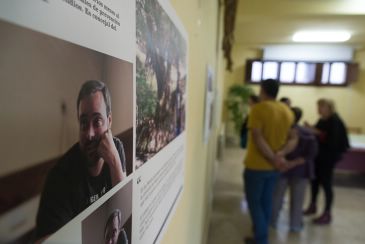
(350, 76)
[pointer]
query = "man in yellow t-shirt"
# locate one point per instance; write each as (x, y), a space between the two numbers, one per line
(269, 127)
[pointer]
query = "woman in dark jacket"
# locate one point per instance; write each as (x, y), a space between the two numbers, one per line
(333, 142)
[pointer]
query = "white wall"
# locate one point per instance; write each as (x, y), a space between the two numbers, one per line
(119, 78)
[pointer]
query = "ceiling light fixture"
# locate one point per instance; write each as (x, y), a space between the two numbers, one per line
(321, 36)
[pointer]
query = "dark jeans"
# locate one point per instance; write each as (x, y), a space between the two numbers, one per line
(325, 165)
(259, 187)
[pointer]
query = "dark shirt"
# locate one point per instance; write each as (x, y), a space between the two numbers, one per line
(307, 148)
(122, 238)
(333, 140)
(69, 189)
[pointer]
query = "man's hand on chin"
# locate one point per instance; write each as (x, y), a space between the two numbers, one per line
(107, 149)
(108, 152)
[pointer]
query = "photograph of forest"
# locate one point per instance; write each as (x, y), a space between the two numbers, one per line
(161, 70)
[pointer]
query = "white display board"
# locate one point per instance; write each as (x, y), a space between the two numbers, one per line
(209, 103)
(139, 50)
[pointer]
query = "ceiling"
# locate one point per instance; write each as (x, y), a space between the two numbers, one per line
(266, 22)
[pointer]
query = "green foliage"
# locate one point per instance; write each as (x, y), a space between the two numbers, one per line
(237, 102)
(146, 97)
(160, 78)
(156, 34)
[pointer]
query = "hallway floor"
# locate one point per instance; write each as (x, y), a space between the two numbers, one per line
(230, 221)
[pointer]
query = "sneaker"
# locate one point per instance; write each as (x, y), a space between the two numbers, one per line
(312, 209)
(324, 219)
(296, 229)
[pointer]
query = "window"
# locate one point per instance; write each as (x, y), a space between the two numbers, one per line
(305, 73)
(256, 71)
(337, 73)
(287, 72)
(302, 73)
(270, 70)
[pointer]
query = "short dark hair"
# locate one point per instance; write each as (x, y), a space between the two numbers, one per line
(285, 99)
(92, 86)
(297, 114)
(270, 87)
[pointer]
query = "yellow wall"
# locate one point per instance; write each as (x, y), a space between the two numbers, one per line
(239, 55)
(190, 222)
(350, 101)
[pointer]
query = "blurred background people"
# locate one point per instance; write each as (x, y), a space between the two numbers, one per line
(269, 125)
(332, 137)
(252, 100)
(286, 100)
(300, 169)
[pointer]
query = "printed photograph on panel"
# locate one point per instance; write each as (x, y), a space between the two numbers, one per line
(209, 104)
(161, 71)
(67, 132)
(111, 223)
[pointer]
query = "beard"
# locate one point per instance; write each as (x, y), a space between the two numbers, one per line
(90, 150)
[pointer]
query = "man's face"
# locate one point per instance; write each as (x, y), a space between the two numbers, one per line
(93, 121)
(112, 232)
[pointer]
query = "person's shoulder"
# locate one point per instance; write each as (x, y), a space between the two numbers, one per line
(72, 155)
(283, 107)
(122, 238)
(67, 163)
(287, 110)
(120, 148)
(261, 104)
(255, 106)
(335, 117)
(64, 175)
(321, 121)
(273, 104)
(118, 143)
(258, 107)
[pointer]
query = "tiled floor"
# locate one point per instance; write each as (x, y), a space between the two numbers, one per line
(230, 221)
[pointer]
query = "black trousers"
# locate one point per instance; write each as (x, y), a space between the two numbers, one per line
(324, 168)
